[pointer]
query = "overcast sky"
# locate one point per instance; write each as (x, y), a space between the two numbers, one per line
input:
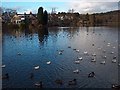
(81, 6)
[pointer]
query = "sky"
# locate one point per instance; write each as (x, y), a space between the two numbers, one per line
(81, 6)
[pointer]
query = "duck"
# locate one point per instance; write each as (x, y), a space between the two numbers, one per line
(6, 76)
(104, 51)
(36, 67)
(114, 57)
(112, 52)
(31, 75)
(103, 62)
(108, 45)
(69, 46)
(72, 82)
(93, 44)
(104, 57)
(19, 54)
(58, 81)
(93, 60)
(3, 66)
(85, 52)
(77, 62)
(93, 54)
(39, 84)
(77, 50)
(80, 58)
(113, 47)
(116, 86)
(114, 61)
(49, 62)
(60, 53)
(99, 48)
(91, 74)
(76, 71)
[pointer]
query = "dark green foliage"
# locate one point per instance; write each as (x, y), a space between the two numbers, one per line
(45, 18)
(40, 15)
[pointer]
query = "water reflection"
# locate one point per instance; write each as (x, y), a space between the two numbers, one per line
(21, 53)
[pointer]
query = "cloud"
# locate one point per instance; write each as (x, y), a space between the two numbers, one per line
(93, 7)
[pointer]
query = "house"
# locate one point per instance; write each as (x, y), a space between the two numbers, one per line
(16, 19)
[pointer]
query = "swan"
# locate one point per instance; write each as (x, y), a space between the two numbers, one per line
(76, 71)
(3, 66)
(49, 62)
(77, 62)
(36, 67)
(103, 62)
(108, 43)
(114, 61)
(80, 58)
(72, 82)
(115, 86)
(92, 74)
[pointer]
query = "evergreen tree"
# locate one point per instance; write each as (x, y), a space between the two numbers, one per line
(45, 18)
(40, 15)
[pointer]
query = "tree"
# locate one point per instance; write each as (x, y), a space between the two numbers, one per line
(40, 15)
(45, 18)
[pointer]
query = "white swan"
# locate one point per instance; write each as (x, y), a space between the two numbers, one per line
(60, 53)
(49, 62)
(36, 67)
(114, 61)
(103, 62)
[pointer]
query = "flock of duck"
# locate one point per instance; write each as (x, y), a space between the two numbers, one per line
(78, 61)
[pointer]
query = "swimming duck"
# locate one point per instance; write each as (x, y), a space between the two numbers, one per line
(60, 53)
(31, 75)
(77, 62)
(114, 61)
(36, 67)
(19, 54)
(80, 58)
(39, 84)
(49, 62)
(6, 76)
(104, 51)
(114, 57)
(93, 60)
(93, 54)
(77, 50)
(3, 66)
(112, 52)
(69, 46)
(104, 57)
(85, 52)
(76, 71)
(58, 81)
(72, 82)
(92, 74)
(117, 87)
(93, 44)
(103, 62)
